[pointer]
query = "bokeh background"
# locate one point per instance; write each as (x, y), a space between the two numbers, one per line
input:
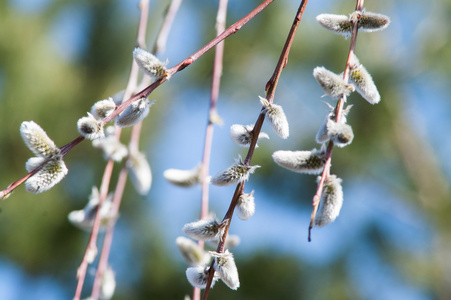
(391, 240)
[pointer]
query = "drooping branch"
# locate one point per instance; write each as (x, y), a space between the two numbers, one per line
(149, 89)
(338, 116)
(270, 88)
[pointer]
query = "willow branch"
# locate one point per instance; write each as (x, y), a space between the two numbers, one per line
(177, 68)
(91, 249)
(338, 116)
(212, 118)
(134, 139)
(270, 88)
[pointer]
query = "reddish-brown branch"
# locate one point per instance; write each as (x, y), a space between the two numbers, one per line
(283, 60)
(228, 216)
(270, 88)
(145, 92)
(231, 30)
(212, 115)
(133, 145)
(338, 116)
(91, 249)
(108, 240)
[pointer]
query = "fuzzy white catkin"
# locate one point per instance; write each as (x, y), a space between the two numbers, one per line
(103, 108)
(239, 172)
(322, 135)
(242, 135)
(366, 22)
(140, 172)
(331, 201)
(370, 22)
(47, 177)
(34, 162)
(183, 178)
(37, 140)
(338, 24)
(191, 252)
(245, 207)
(363, 81)
(203, 230)
(341, 134)
(276, 117)
(108, 284)
(332, 84)
(134, 113)
(90, 128)
(226, 269)
(149, 63)
(308, 162)
(198, 276)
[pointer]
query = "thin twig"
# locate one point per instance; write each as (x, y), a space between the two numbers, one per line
(270, 88)
(169, 18)
(107, 242)
(212, 118)
(149, 89)
(91, 249)
(120, 185)
(338, 116)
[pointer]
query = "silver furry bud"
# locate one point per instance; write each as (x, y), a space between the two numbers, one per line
(332, 84)
(331, 201)
(308, 162)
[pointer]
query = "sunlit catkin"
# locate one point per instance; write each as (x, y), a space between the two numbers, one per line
(363, 81)
(332, 84)
(370, 22)
(307, 162)
(47, 177)
(239, 172)
(103, 108)
(149, 63)
(243, 134)
(276, 117)
(226, 269)
(198, 276)
(245, 207)
(183, 178)
(338, 24)
(331, 201)
(341, 134)
(90, 128)
(204, 230)
(134, 113)
(37, 140)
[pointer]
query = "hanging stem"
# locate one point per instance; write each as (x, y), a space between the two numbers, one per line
(270, 88)
(338, 116)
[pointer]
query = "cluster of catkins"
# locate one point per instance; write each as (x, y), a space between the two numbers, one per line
(211, 230)
(48, 167)
(335, 128)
